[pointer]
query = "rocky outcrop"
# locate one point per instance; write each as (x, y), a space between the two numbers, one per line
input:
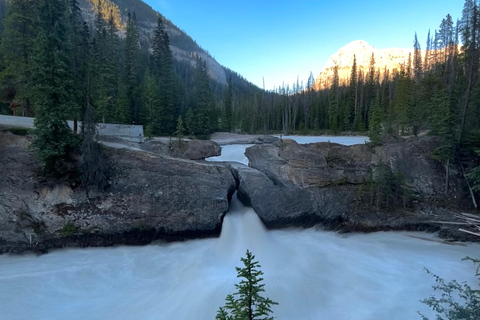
(326, 164)
(151, 197)
(286, 204)
(290, 184)
(186, 149)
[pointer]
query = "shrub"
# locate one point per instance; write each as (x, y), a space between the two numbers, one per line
(458, 301)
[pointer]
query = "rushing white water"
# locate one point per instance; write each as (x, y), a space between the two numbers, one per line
(346, 140)
(311, 274)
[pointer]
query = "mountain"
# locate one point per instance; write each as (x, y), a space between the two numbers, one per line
(391, 58)
(183, 47)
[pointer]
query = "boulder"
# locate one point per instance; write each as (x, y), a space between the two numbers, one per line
(312, 165)
(195, 149)
(186, 149)
(151, 197)
(287, 204)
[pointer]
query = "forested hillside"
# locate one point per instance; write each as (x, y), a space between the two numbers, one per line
(116, 58)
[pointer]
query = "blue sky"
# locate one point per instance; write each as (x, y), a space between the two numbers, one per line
(280, 40)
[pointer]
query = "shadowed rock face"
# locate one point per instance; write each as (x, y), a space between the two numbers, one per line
(151, 197)
(286, 204)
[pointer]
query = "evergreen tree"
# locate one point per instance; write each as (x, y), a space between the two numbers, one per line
(132, 48)
(370, 91)
(333, 105)
(402, 102)
(229, 105)
(94, 167)
(375, 131)
(203, 103)
(417, 60)
(78, 53)
(247, 303)
(16, 49)
(351, 115)
(52, 92)
(163, 73)
(153, 112)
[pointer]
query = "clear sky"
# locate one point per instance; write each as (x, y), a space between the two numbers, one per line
(280, 40)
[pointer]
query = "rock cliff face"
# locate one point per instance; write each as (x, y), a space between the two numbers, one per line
(151, 197)
(330, 184)
(391, 59)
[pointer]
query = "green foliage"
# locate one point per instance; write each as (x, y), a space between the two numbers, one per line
(52, 89)
(16, 49)
(94, 166)
(474, 175)
(68, 229)
(389, 188)
(247, 303)
(180, 129)
(375, 131)
(458, 301)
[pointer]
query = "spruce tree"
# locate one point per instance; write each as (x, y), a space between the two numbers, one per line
(52, 88)
(247, 303)
(228, 105)
(16, 49)
(132, 48)
(94, 167)
(163, 74)
(333, 104)
(375, 130)
(351, 115)
(203, 103)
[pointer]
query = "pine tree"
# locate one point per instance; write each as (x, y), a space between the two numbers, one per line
(94, 167)
(203, 104)
(351, 115)
(78, 56)
(333, 105)
(247, 303)
(163, 73)
(229, 105)
(18, 39)
(52, 88)
(153, 111)
(132, 48)
(375, 131)
(370, 91)
(417, 60)
(402, 101)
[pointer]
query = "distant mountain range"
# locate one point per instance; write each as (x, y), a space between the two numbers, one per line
(391, 58)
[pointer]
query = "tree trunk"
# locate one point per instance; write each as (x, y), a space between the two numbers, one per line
(26, 107)
(447, 174)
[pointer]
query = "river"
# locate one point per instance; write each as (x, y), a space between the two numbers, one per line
(312, 274)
